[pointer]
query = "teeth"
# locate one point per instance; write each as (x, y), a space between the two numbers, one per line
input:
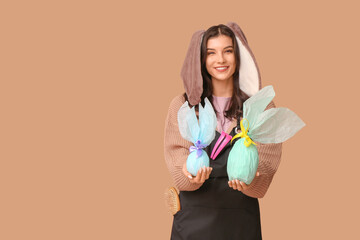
(222, 68)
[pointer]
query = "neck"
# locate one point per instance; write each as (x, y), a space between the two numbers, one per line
(222, 88)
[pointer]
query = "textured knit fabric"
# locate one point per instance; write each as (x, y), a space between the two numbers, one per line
(221, 104)
(176, 151)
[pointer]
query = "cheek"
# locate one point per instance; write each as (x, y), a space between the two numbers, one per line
(232, 60)
(233, 63)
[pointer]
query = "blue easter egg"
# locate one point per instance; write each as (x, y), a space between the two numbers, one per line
(194, 163)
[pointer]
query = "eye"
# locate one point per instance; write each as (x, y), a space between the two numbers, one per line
(210, 53)
(230, 51)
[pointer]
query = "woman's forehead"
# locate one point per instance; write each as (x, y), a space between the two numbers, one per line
(219, 42)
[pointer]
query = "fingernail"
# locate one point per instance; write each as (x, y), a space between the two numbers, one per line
(190, 176)
(200, 170)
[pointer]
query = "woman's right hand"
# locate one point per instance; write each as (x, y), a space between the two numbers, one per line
(201, 176)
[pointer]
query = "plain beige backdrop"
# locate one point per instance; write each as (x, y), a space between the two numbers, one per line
(85, 89)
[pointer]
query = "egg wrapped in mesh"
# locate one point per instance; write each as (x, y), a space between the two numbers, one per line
(274, 125)
(200, 132)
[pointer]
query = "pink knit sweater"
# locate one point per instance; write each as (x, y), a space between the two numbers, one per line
(176, 151)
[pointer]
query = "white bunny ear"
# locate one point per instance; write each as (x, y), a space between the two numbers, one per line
(207, 122)
(256, 104)
(248, 72)
(188, 123)
(276, 125)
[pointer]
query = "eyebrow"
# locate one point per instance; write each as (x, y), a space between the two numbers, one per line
(214, 49)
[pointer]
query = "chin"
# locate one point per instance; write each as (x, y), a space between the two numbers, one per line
(221, 78)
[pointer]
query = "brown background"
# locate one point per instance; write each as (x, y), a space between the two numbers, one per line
(85, 89)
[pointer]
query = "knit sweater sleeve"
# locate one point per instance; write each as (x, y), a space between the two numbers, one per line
(269, 160)
(176, 148)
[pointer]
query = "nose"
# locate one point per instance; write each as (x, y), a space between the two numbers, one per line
(220, 58)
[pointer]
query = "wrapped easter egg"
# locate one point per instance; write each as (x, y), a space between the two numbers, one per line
(274, 125)
(242, 162)
(197, 158)
(200, 132)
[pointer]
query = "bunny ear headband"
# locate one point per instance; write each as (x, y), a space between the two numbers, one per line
(249, 75)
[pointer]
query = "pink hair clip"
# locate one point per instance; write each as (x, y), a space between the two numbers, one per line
(225, 138)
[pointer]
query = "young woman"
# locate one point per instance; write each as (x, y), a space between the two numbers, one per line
(219, 65)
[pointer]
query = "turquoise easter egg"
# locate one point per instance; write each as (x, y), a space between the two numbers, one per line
(242, 162)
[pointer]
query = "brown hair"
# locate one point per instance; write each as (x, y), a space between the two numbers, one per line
(238, 97)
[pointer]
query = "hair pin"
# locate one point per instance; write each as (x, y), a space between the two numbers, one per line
(223, 139)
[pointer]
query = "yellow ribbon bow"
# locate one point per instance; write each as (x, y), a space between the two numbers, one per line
(243, 134)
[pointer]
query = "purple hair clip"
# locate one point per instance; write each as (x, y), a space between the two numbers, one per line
(225, 138)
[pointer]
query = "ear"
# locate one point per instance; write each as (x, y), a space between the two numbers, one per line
(249, 75)
(191, 69)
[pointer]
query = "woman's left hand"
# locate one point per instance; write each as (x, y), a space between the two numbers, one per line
(238, 185)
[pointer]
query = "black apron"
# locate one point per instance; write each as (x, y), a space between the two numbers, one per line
(215, 211)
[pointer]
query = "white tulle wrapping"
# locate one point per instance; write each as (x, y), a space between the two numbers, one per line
(208, 123)
(188, 123)
(276, 125)
(256, 104)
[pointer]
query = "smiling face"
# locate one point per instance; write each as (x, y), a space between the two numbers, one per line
(220, 58)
